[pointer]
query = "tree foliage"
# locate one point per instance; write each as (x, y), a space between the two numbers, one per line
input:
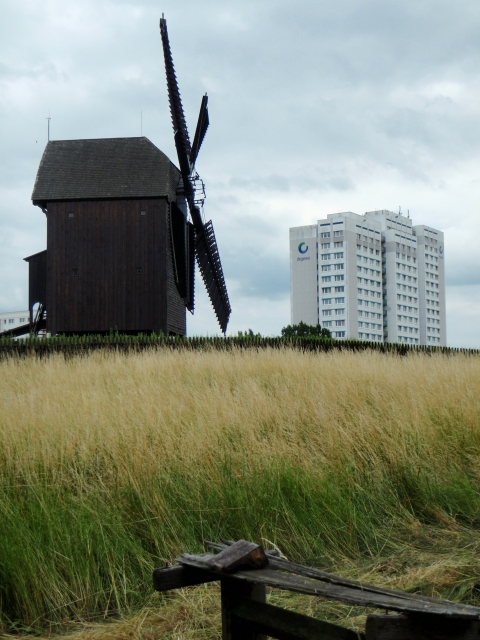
(248, 334)
(303, 330)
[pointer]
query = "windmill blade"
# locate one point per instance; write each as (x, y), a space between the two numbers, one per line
(208, 260)
(182, 238)
(201, 130)
(182, 140)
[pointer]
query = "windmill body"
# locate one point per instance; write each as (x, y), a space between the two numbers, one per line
(111, 215)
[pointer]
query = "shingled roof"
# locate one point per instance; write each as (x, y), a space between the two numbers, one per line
(104, 168)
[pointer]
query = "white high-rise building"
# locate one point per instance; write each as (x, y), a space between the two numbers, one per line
(431, 267)
(370, 277)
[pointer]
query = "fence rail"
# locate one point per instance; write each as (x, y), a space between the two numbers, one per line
(245, 570)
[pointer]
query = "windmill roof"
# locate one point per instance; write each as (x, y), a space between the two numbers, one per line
(104, 168)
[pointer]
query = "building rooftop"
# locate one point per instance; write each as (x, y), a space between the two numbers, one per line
(104, 168)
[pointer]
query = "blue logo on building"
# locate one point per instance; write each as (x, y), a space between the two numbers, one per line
(302, 247)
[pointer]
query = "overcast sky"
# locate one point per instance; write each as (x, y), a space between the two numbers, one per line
(315, 107)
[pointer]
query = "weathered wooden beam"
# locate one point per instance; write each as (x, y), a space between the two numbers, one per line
(286, 625)
(317, 574)
(180, 576)
(239, 554)
(420, 627)
(348, 595)
(233, 591)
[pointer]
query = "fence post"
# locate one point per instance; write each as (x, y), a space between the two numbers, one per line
(231, 589)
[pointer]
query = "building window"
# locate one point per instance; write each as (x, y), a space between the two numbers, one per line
(339, 278)
(339, 323)
(327, 312)
(340, 300)
(338, 233)
(325, 256)
(325, 234)
(327, 300)
(326, 289)
(338, 267)
(337, 245)
(11, 320)
(23, 319)
(340, 334)
(339, 289)
(339, 312)
(326, 278)
(338, 255)
(326, 267)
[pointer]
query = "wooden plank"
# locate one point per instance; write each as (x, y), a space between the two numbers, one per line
(233, 627)
(180, 576)
(353, 596)
(288, 625)
(400, 627)
(239, 554)
(318, 574)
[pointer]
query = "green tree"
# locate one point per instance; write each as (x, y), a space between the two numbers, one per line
(303, 330)
(248, 334)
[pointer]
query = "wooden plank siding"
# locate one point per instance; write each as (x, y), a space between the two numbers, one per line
(109, 267)
(37, 280)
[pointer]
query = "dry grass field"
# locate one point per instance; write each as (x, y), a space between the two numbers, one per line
(367, 464)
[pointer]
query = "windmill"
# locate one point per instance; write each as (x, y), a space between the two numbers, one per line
(195, 238)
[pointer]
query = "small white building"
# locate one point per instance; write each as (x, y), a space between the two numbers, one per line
(13, 319)
(370, 277)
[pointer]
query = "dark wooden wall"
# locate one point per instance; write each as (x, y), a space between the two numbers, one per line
(37, 280)
(108, 267)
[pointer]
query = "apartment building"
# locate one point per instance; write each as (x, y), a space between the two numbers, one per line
(370, 277)
(13, 319)
(431, 267)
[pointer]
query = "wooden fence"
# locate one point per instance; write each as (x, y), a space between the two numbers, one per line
(245, 570)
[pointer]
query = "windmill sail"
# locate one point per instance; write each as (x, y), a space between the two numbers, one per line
(201, 130)
(201, 237)
(208, 259)
(176, 107)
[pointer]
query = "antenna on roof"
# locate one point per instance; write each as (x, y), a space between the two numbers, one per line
(399, 210)
(141, 123)
(408, 214)
(48, 126)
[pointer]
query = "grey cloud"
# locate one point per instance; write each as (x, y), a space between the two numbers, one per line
(258, 274)
(277, 183)
(247, 246)
(462, 273)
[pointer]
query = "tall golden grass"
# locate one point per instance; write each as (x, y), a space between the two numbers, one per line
(312, 409)
(112, 464)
